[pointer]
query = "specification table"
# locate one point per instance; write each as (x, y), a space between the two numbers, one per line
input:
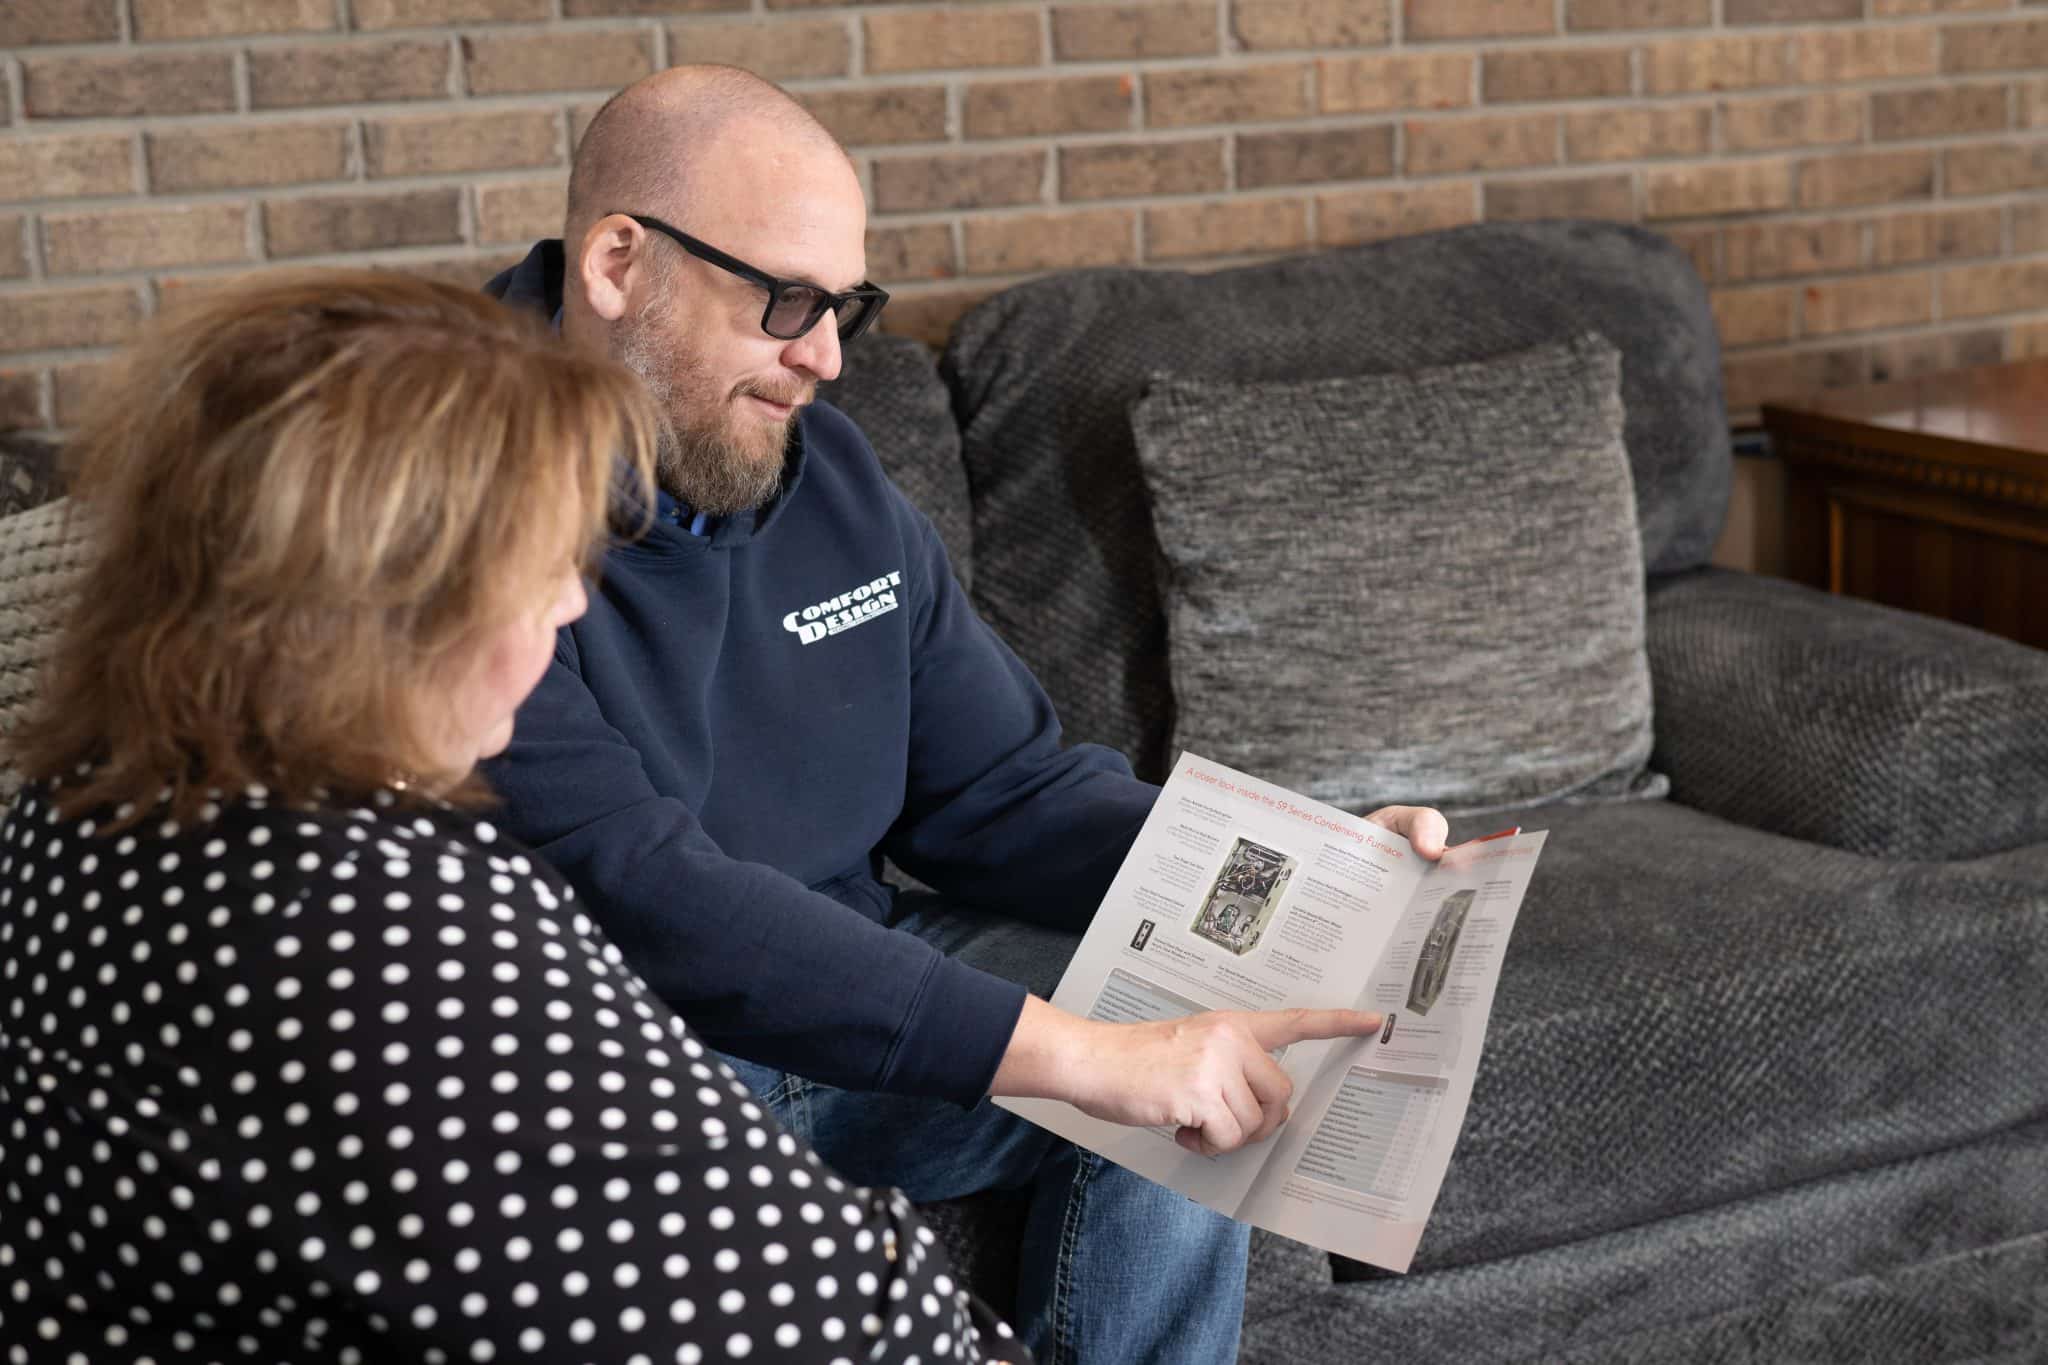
(1369, 1139)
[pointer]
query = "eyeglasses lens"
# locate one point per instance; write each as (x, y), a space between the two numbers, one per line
(797, 309)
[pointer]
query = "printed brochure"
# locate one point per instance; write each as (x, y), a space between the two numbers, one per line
(1241, 895)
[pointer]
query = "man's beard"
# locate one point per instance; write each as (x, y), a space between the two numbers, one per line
(708, 457)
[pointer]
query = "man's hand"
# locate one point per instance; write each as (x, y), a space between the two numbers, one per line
(1424, 827)
(1210, 1076)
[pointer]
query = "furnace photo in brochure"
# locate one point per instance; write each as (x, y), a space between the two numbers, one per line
(1241, 895)
(1240, 903)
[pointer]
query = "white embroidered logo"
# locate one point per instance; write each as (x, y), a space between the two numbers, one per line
(855, 606)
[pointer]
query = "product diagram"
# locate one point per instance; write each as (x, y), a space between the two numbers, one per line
(1433, 963)
(1241, 902)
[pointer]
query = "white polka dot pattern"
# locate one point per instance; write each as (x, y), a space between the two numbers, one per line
(287, 1084)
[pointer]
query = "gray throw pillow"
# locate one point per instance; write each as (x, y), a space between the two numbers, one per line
(891, 389)
(1409, 588)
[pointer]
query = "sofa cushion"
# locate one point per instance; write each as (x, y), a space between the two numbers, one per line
(1847, 723)
(1934, 1259)
(1693, 1013)
(1043, 376)
(1422, 588)
(890, 387)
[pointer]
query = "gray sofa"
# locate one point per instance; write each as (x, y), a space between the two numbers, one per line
(1768, 1072)
(1767, 1078)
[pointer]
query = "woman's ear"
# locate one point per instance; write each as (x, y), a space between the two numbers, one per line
(607, 262)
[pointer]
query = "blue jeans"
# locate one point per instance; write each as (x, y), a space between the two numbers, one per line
(1114, 1270)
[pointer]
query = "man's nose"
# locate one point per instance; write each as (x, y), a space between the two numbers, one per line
(816, 350)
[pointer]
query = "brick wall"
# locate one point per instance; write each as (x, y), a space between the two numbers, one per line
(1859, 180)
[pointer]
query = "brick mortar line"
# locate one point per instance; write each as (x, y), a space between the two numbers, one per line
(437, 253)
(1142, 66)
(458, 101)
(256, 232)
(1563, 40)
(32, 242)
(1205, 265)
(1934, 266)
(466, 226)
(1813, 217)
(1984, 139)
(1717, 26)
(353, 185)
(304, 189)
(1798, 219)
(1808, 345)
(138, 148)
(480, 105)
(1402, 118)
(1478, 109)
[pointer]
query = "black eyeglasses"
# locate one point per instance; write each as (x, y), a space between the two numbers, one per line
(793, 306)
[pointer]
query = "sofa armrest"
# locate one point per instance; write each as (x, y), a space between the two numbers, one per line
(44, 553)
(1839, 722)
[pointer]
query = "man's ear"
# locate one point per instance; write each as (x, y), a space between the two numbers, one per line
(607, 264)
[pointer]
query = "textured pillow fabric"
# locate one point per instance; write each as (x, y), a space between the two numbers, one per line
(1840, 722)
(43, 554)
(891, 389)
(1420, 588)
(1044, 374)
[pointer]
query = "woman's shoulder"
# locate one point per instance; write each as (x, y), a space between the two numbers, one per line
(386, 839)
(277, 849)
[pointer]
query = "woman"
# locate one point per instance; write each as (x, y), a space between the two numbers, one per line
(298, 1056)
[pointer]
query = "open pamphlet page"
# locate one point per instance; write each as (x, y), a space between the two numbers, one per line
(1241, 895)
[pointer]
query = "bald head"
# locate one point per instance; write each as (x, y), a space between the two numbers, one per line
(700, 198)
(659, 142)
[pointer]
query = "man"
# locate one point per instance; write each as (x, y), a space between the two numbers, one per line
(782, 683)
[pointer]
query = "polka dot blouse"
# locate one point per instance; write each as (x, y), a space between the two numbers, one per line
(290, 1084)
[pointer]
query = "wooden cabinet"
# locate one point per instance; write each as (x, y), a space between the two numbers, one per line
(1929, 494)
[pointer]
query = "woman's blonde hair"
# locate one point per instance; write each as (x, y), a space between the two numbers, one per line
(306, 495)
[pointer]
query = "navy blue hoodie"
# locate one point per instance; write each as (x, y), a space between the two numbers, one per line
(745, 723)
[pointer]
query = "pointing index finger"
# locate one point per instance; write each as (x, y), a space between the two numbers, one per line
(1278, 1028)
